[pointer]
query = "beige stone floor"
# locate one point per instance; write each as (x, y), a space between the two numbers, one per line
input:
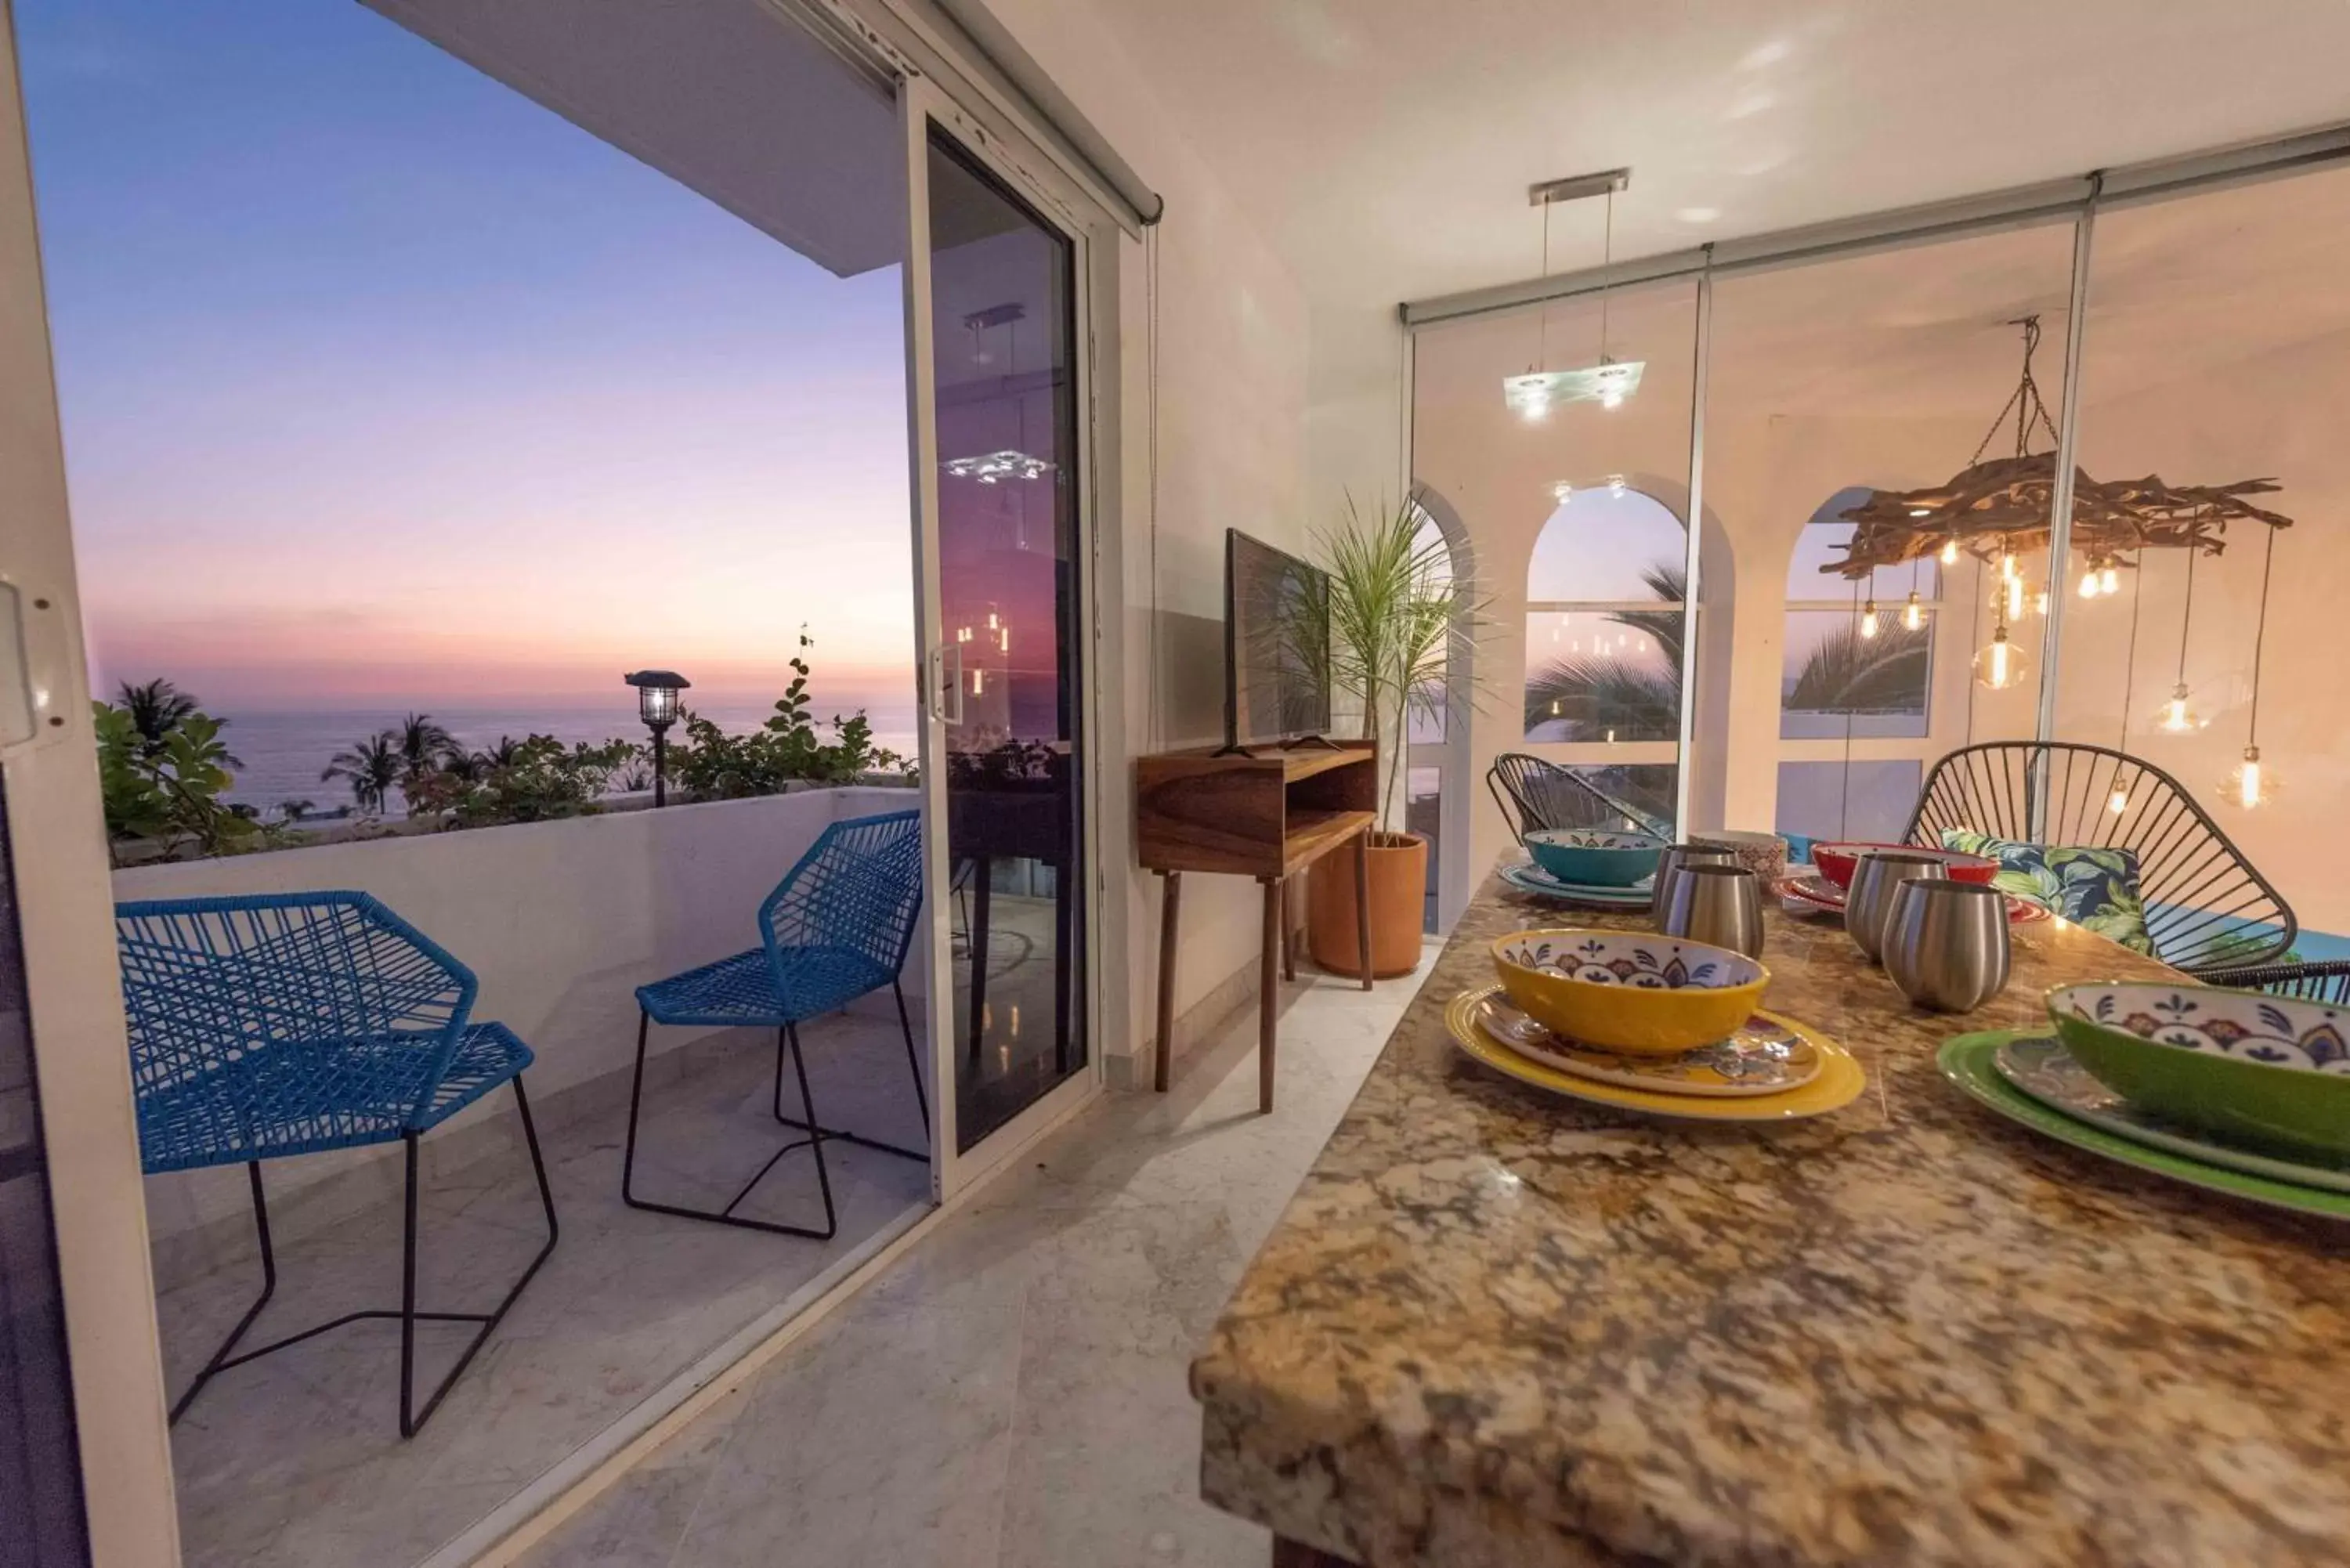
(1010, 1393)
(296, 1459)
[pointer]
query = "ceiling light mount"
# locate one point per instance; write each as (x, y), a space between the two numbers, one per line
(1575, 187)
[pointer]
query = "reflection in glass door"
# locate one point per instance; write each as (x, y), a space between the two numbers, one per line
(1002, 297)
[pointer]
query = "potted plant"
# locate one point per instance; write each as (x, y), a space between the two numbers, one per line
(1397, 617)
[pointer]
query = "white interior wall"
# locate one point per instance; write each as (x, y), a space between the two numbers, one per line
(1231, 453)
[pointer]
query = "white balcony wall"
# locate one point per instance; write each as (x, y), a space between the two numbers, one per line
(560, 920)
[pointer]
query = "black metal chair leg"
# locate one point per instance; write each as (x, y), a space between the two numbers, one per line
(727, 1216)
(219, 1359)
(913, 1057)
(807, 1103)
(411, 1419)
(408, 1299)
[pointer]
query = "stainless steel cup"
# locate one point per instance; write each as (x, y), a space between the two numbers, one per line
(1945, 943)
(1718, 904)
(1869, 901)
(1675, 857)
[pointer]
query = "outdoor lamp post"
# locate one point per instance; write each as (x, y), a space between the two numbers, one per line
(657, 706)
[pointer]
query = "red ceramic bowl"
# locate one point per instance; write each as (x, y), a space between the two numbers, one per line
(1835, 861)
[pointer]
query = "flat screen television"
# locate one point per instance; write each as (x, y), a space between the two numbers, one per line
(1277, 644)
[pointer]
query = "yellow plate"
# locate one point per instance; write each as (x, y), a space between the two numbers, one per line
(1839, 1084)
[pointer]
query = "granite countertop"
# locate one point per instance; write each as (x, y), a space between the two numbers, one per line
(1495, 1327)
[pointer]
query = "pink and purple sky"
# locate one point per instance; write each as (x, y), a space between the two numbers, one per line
(384, 387)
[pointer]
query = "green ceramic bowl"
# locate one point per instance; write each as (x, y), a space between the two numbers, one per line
(2271, 1070)
(1594, 859)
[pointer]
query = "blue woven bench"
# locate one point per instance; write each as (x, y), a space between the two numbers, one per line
(282, 1024)
(837, 927)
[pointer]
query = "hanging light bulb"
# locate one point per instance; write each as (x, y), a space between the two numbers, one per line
(1913, 614)
(1949, 552)
(2089, 583)
(2250, 784)
(2000, 665)
(1869, 620)
(2040, 602)
(2007, 566)
(2118, 802)
(2109, 581)
(2015, 598)
(2178, 715)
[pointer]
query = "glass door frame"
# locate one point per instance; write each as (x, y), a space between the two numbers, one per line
(921, 107)
(65, 897)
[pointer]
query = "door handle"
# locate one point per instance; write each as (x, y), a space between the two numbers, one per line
(34, 646)
(946, 687)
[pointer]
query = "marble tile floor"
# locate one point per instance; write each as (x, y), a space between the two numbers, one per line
(296, 1459)
(1011, 1394)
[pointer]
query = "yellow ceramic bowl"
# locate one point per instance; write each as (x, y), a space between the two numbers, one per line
(1634, 991)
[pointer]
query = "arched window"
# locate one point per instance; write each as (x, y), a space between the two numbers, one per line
(1604, 619)
(1847, 671)
(1854, 703)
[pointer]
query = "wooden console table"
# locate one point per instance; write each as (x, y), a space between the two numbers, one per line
(1267, 816)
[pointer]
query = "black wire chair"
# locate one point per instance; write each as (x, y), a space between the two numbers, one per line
(2209, 910)
(2326, 980)
(1534, 794)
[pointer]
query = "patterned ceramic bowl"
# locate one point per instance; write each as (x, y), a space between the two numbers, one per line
(1764, 853)
(2242, 1065)
(1835, 861)
(1632, 992)
(1594, 859)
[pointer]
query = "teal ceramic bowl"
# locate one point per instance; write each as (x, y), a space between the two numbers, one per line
(1594, 859)
(2270, 1071)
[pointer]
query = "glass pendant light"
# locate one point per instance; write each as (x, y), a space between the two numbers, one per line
(2089, 583)
(1913, 614)
(2251, 785)
(1868, 622)
(2000, 666)
(1949, 552)
(2176, 716)
(2109, 581)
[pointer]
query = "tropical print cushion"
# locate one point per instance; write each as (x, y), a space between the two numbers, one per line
(2096, 888)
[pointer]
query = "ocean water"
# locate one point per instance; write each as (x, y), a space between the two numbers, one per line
(283, 754)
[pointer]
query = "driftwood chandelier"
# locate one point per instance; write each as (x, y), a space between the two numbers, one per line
(1999, 509)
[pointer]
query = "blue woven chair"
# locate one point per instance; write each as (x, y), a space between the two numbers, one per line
(837, 927)
(292, 1024)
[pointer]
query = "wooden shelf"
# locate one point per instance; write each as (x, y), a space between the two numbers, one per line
(1314, 833)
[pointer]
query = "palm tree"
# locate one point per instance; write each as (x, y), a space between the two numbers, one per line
(296, 810)
(421, 744)
(156, 709)
(1594, 696)
(372, 768)
(1847, 673)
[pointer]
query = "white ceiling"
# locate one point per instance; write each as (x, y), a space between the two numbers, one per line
(1384, 146)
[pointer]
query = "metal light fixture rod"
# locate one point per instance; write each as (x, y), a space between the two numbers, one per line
(2060, 501)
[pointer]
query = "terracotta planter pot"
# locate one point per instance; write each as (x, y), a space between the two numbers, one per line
(1398, 895)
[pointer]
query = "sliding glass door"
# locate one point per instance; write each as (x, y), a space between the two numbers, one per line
(994, 299)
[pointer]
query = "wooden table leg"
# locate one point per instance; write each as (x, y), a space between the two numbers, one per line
(1288, 939)
(1170, 901)
(1268, 994)
(1363, 901)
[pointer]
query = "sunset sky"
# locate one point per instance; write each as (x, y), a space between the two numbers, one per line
(385, 387)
